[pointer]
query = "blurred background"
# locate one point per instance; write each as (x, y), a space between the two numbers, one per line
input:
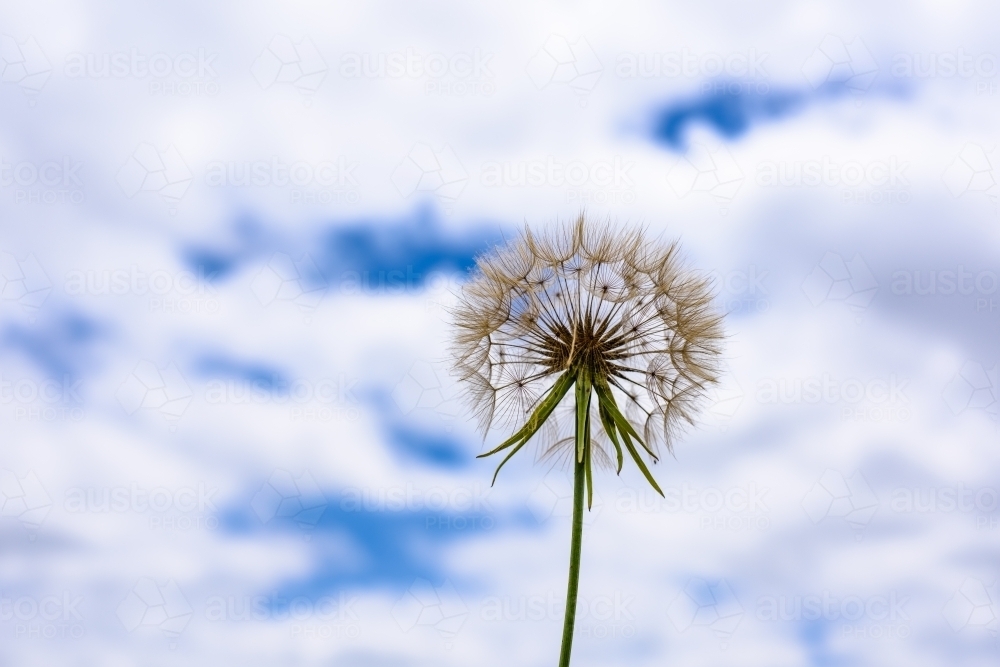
(230, 235)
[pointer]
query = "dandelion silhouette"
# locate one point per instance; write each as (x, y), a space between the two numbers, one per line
(607, 313)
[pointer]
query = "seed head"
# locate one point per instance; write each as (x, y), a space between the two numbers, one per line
(586, 303)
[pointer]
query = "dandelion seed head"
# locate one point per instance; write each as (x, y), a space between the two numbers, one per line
(583, 295)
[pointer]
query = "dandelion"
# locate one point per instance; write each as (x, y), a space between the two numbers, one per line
(609, 314)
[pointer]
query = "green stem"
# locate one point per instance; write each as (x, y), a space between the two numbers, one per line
(576, 546)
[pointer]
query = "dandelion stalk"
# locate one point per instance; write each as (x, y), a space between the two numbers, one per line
(580, 472)
(609, 314)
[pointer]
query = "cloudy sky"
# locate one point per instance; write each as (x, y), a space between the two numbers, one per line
(229, 238)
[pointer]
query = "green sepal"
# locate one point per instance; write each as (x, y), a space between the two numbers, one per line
(538, 417)
(609, 428)
(505, 459)
(583, 389)
(623, 424)
(639, 462)
(590, 477)
(607, 402)
(535, 421)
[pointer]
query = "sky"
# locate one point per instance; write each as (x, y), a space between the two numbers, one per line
(230, 237)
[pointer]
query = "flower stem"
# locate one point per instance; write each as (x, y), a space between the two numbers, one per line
(576, 546)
